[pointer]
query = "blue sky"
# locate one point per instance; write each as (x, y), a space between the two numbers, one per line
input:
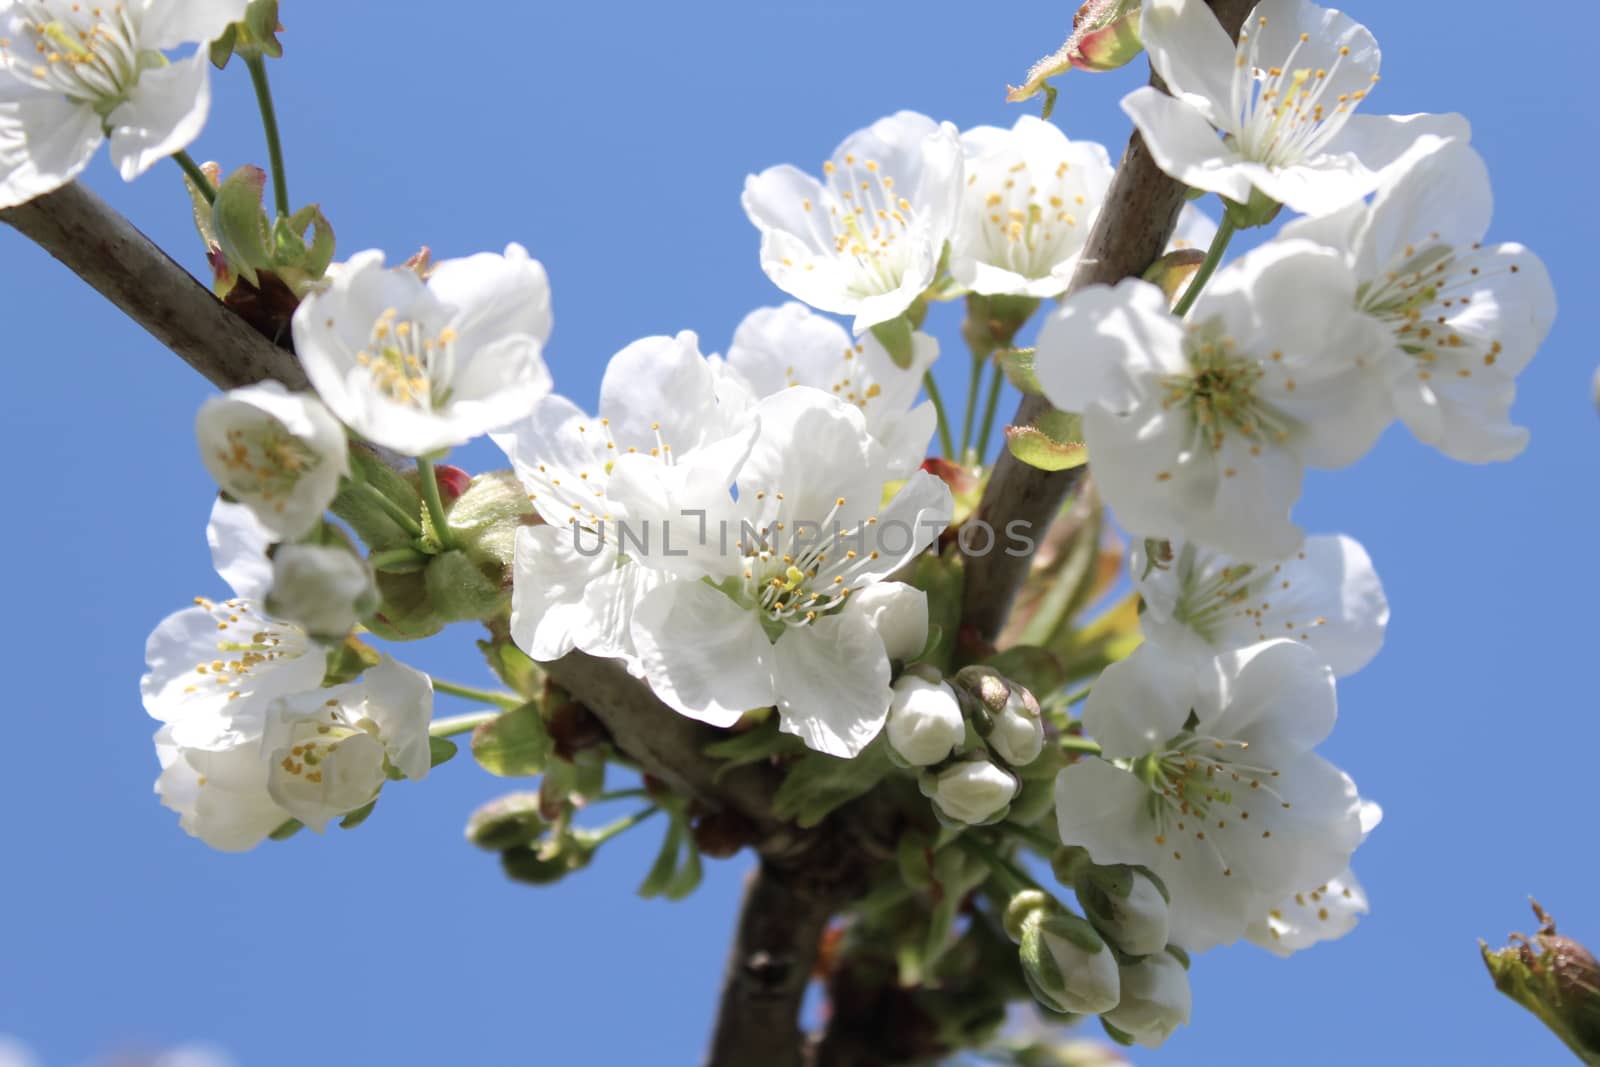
(612, 140)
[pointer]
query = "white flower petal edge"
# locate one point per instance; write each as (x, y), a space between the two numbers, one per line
(1030, 199)
(1233, 811)
(1202, 427)
(1324, 913)
(778, 348)
(239, 544)
(866, 240)
(65, 65)
(1459, 319)
(281, 454)
(1283, 98)
(1326, 595)
(420, 367)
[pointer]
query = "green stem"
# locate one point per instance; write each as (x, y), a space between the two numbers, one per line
(401, 517)
(938, 406)
(970, 415)
(1035, 838)
(627, 822)
(990, 407)
(430, 496)
(617, 794)
(508, 701)
(196, 175)
(1208, 267)
(1079, 696)
(257, 65)
(1075, 743)
(393, 556)
(452, 725)
(1011, 876)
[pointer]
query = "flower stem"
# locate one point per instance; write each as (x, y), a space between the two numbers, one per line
(627, 822)
(617, 794)
(990, 407)
(938, 406)
(196, 175)
(394, 556)
(1078, 696)
(1208, 266)
(1035, 838)
(430, 495)
(504, 700)
(452, 725)
(257, 65)
(1010, 875)
(970, 414)
(401, 517)
(1075, 743)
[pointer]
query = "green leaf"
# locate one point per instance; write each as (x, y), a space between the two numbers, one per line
(359, 816)
(241, 222)
(687, 878)
(1053, 443)
(513, 667)
(761, 742)
(896, 338)
(661, 871)
(817, 784)
(513, 744)
(1018, 366)
(440, 750)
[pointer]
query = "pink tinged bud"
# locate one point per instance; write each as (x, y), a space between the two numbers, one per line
(453, 481)
(1105, 36)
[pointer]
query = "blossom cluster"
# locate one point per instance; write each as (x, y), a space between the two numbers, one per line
(760, 538)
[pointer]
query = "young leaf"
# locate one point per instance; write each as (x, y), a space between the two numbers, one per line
(1053, 443)
(513, 744)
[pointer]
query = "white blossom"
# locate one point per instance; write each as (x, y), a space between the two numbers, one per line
(1327, 595)
(811, 532)
(1202, 427)
(1210, 781)
(326, 750)
(73, 74)
(1030, 198)
(1156, 1000)
(925, 722)
(418, 366)
(866, 239)
(667, 443)
(1459, 319)
(1283, 98)
(778, 348)
(220, 795)
(324, 589)
(1325, 912)
(279, 453)
(898, 613)
(973, 791)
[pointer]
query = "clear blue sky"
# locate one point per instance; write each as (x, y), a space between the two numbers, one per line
(612, 140)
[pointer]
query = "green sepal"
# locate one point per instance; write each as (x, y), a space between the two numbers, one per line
(459, 591)
(405, 612)
(514, 744)
(897, 338)
(347, 660)
(514, 667)
(1053, 443)
(440, 750)
(359, 816)
(1120, 1037)
(287, 830)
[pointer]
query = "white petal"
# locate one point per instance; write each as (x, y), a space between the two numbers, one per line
(1280, 699)
(1100, 339)
(495, 296)
(1184, 145)
(1102, 808)
(553, 566)
(45, 142)
(166, 24)
(399, 700)
(164, 113)
(833, 683)
(703, 654)
(1193, 54)
(239, 544)
(1140, 702)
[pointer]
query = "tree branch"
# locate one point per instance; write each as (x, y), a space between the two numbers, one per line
(1134, 225)
(106, 250)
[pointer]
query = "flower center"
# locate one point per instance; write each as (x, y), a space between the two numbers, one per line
(1202, 785)
(408, 365)
(86, 53)
(265, 460)
(793, 576)
(1219, 392)
(1287, 113)
(313, 741)
(851, 382)
(247, 643)
(864, 223)
(1029, 230)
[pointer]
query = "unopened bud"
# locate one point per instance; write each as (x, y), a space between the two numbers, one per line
(899, 614)
(1555, 978)
(1171, 273)
(1130, 909)
(973, 791)
(1017, 734)
(485, 518)
(1105, 36)
(511, 821)
(1067, 966)
(925, 723)
(326, 590)
(452, 481)
(1155, 1000)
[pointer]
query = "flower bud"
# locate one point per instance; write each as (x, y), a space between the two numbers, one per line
(1105, 36)
(1555, 978)
(1131, 913)
(1017, 735)
(899, 614)
(511, 821)
(1173, 271)
(452, 481)
(973, 791)
(1067, 966)
(486, 516)
(1155, 1000)
(925, 723)
(326, 590)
